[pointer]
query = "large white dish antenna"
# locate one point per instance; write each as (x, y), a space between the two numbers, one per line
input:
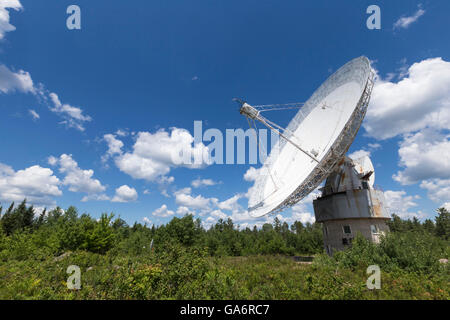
(315, 140)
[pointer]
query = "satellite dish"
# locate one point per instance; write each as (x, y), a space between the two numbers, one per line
(314, 142)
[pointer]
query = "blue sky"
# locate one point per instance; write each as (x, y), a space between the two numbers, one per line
(139, 73)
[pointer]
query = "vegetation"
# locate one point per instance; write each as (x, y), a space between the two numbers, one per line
(182, 260)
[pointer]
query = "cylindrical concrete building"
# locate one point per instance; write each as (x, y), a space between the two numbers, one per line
(350, 204)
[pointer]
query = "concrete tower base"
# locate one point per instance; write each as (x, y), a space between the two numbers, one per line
(339, 234)
(349, 204)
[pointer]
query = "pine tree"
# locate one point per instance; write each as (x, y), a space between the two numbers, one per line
(28, 218)
(443, 223)
(8, 220)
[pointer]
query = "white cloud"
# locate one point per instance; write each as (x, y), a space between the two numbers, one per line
(302, 211)
(213, 218)
(446, 206)
(219, 214)
(163, 212)
(184, 198)
(230, 204)
(405, 22)
(21, 81)
(438, 189)
(74, 117)
(95, 197)
(251, 174)
(121, 133)
(366, 151)
(125, 194)
(35, 183)
(208, 222)
(424, 155)
(399, 203)
(5, 26)
(359, 154)
(154, 154)
(15, 81)
(241, 216)
(303, 217)
(76, 179)
(183, 210)
(147, 221)
(197, 183)
(165, 180)
(420, 100)
(374, 146)
(114, 146)
(33, 114)
(52, 160)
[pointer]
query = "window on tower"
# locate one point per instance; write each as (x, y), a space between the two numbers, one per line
(347, 230)
(374, 229)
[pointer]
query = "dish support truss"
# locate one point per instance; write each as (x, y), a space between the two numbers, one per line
(334, 156)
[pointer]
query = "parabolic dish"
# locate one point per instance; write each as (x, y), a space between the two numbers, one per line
(325, 126)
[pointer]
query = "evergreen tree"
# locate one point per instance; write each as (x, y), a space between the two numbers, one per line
(8, 222)
(429, 226)
(443, 223)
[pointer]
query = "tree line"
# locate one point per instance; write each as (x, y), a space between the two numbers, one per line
(59, 231)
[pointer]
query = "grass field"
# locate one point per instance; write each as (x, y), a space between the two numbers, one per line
(182, 260)
(179, 276)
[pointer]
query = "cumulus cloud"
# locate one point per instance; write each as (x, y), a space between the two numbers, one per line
(37, 184)
(114, 146)
(165, 180)
(125, 194)
(303, 217)
(73, 116)
(184, 198)
(95, 197)
(147, 221)
(184, 210)
(359, 154)
(438, 190)
(5, 25)
(214, 218)
(399, 203)
(406, 21)
(21, 81)
(163, 212)
(424, 155)
(34, 114)
(303, 210)
(197, 183)
(230, 204)
(251, 174)
(121, 133)
(219, 214)
(11, 81)
(76, 179)
(155, 154)
(366, 151)
(420, 100)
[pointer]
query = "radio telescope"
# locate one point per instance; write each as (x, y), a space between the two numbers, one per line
(314, 142)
